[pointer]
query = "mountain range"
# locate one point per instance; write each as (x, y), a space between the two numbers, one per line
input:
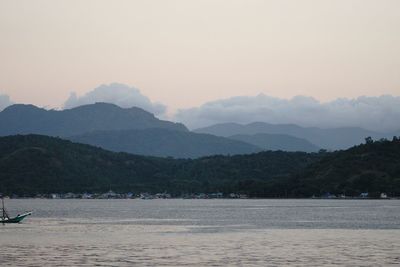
(134, 130)
(332, 139)
(44, 151)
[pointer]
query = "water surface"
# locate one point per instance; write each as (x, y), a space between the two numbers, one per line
(203, 233)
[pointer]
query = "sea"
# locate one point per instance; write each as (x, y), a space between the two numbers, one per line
(214, 232)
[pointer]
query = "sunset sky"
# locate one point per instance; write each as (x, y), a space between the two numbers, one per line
(184, 53)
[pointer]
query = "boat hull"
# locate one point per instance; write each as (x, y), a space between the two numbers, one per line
(16, 219)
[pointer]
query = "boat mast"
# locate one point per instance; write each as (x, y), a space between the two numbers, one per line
(2, 207)
(4, 213)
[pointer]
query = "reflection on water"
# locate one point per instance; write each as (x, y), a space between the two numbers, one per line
(203, 233)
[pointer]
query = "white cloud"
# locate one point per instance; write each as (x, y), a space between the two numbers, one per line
(5, 102)
(374, 113)
(119, 94)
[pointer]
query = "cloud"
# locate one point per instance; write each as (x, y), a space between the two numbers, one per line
(5, 101)
(119, 94)
(374, 113)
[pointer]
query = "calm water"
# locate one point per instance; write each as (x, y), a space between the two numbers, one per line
(203, 233)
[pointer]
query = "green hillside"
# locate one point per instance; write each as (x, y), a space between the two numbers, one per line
(40, 164)
(373, 167)
(34, 164)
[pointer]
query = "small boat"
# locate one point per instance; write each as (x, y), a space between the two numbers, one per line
(7, 219)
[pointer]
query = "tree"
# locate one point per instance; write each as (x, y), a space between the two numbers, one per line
(369, 140)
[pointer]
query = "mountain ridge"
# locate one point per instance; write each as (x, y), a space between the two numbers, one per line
(334, 138)
(277, 142)
(25, 119)
(165, 143)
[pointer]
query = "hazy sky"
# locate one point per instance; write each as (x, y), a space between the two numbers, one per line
(184, 53)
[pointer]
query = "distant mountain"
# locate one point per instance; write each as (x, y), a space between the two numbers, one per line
(165, 142)
(26, 119)
(226, 129)
(335, 138)
(277, 142)
(132, 130)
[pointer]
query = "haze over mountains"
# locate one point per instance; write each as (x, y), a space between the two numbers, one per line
(374, 113)
(132, 130)
(137, 131)
(336, 138)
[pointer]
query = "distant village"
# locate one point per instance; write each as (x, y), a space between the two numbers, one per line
(113, 195)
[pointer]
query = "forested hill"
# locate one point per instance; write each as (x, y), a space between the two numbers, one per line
(34, 164)
(373, 167)
(31, 164)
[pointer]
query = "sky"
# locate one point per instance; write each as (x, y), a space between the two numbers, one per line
(179, 55)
